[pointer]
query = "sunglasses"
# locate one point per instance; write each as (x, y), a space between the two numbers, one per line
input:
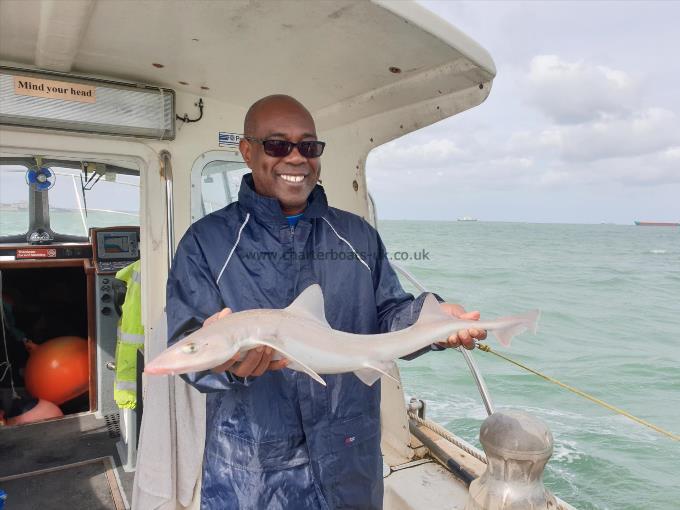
(281, 148)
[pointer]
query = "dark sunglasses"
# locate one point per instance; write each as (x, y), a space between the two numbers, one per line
(281, 148)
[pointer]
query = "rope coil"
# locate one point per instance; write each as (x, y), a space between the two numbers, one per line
(441, 431)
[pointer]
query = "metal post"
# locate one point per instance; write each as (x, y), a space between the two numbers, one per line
(517, 447)
(166, 172)
(479, 380)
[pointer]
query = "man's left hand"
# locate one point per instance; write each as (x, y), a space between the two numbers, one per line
(464, 337)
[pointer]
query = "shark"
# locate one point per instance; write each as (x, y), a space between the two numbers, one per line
(301, 334)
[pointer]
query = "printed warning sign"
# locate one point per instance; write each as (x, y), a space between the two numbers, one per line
(36, 253)
(51, 89)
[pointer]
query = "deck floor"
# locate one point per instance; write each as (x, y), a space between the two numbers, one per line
(66, 463)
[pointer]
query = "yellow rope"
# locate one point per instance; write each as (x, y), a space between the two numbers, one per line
(583, 394)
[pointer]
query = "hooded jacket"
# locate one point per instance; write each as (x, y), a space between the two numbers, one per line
(281, 440)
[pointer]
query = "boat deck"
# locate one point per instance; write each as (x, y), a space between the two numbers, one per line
(67, 463)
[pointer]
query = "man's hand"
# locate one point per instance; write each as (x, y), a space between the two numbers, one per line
(256, 361)
(464, 337)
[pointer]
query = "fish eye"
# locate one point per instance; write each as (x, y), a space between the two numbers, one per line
(190, 348)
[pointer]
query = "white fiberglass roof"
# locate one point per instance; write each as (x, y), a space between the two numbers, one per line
(239, 50)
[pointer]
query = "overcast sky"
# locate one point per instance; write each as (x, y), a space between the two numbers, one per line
(582, 124)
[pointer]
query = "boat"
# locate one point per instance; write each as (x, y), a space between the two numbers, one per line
(137, 109)
(657, 224)
(467, 218)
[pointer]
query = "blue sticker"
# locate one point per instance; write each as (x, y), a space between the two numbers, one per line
(230, 140)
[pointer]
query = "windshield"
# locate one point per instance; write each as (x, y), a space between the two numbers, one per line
(111, 201)
(108, 203)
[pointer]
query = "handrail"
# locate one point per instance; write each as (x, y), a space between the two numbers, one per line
(166, 173)
(476, 374)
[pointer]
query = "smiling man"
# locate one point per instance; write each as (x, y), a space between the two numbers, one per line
(271, 125)
(275, 438)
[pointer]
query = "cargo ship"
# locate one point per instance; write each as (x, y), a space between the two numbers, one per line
(657, 224)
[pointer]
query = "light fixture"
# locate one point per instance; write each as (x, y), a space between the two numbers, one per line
(50, 100)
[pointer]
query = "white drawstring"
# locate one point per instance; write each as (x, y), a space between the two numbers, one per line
(347, 243)
(238, 238)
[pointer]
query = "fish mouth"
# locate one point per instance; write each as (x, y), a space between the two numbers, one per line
(155, 369)
(165, 367)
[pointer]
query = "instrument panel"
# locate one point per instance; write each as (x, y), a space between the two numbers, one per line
(114, 248)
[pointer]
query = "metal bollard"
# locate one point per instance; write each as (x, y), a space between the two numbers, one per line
(517, 447)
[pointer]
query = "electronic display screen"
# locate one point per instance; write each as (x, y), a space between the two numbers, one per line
(116, 244)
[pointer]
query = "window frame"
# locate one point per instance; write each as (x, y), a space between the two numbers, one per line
(203, 160)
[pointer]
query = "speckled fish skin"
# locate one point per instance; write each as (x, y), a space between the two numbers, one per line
(301, 334)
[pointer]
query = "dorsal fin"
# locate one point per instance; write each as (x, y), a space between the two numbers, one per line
(431, 311)
(309, 304)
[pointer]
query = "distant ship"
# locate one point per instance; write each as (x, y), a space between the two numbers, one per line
(657, 224)
(467, 218)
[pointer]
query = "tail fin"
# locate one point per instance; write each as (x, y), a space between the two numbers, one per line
(526, 321)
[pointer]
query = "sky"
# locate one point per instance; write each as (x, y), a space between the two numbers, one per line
(582, 124)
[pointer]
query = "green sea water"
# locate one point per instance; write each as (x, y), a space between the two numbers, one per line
(610, 325)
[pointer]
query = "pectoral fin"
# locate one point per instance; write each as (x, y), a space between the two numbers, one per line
(295, 364)
(373, 371)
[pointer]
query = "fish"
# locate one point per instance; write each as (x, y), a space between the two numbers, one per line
(301, 334)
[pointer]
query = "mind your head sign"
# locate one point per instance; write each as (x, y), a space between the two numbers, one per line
(52, 89)
(60, 101)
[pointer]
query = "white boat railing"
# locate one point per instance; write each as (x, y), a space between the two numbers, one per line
(476, 374)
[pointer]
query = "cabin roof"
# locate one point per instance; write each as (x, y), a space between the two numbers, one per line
(324, 51)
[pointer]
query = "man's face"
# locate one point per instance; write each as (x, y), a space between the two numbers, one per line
(280, 177)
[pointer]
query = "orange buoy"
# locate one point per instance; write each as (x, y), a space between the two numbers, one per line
(57, 370)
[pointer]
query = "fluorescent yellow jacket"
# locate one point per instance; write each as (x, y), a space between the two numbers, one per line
(130, 338)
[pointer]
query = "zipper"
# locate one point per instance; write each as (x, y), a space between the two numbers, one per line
(291, 229)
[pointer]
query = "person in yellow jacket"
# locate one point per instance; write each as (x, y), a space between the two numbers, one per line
(130, 338)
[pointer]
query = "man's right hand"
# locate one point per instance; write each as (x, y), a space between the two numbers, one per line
(256, 361)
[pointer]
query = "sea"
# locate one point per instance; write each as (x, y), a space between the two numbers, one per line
(609, 297)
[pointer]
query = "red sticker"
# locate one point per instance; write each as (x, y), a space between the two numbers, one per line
(36, 253)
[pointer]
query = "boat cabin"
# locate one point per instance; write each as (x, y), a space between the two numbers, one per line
(119, 127)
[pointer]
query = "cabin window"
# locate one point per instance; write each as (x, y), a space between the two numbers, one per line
(216, 180)
(13, 203)
(60, 201)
